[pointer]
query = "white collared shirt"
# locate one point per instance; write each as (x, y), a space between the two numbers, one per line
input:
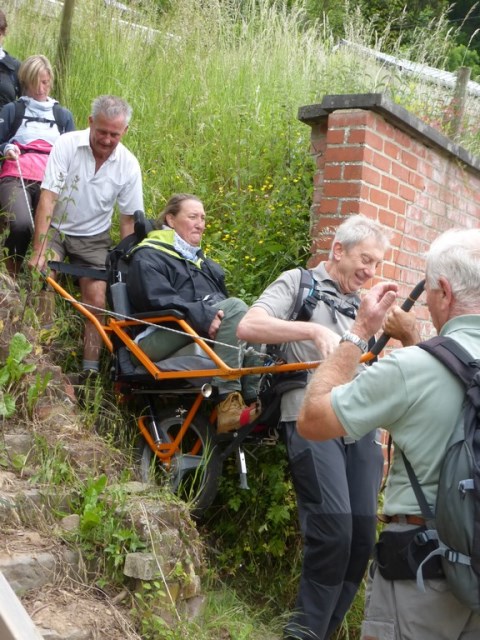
(87, 199)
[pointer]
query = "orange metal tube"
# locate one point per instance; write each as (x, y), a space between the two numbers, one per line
(83, 310)
(222, 370)
(166, 450)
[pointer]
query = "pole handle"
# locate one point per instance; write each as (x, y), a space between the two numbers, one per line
(415, 293)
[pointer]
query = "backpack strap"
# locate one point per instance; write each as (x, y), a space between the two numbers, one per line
(309, 295)
(305, 303)
(17, 118)
(459, 361)
(59, 114)
(451, 354)
(425, 508)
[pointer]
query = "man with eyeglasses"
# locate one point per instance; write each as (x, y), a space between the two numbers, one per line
(336, 482)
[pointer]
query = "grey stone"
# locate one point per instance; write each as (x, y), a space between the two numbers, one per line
(143, 566)
(192, 608)
(71, 522)
(18, 444)
(26, 572)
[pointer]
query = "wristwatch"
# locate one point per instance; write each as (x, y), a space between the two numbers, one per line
(348, 336)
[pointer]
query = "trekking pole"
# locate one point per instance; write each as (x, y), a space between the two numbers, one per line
(22, 182)
(415, 293)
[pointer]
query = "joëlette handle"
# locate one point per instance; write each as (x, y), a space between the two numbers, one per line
(415, 293)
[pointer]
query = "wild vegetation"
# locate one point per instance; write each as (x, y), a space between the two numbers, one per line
(215, 87)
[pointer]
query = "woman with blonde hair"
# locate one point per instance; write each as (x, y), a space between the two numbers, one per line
(28, 129)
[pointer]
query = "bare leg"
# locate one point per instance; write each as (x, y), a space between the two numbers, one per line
(93, 293)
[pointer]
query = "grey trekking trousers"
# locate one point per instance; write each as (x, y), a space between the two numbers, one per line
(337, 488)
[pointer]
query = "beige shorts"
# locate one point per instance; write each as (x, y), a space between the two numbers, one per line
(85, 251)
(398, 610)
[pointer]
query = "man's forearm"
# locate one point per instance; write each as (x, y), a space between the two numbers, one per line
(339, 368)
(317, 420)
(127, 225)
(43, 218)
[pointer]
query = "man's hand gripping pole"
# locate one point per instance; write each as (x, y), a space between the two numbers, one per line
(415, 293)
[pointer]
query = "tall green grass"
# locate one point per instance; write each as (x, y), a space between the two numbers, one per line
(216, 86)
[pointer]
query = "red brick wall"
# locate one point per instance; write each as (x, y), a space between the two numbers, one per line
(365, 164)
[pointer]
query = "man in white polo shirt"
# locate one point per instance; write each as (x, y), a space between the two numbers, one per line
(87, 173)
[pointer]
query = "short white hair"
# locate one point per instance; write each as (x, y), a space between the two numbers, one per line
(358, 228)
(455, 255)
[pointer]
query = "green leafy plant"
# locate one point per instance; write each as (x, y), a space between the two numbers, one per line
(37, 390)
(103, 530)
(52, 465)
(12, 372)
(250, 553)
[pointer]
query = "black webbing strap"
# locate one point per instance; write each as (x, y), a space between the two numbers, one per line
(79, 272)
(425, 508)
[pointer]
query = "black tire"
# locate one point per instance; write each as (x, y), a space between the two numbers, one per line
(196, 484)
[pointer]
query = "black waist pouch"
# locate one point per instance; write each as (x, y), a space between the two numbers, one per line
(398, 554)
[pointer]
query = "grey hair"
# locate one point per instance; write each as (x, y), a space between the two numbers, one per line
(111, 107)
(358, 228)
(455, 255)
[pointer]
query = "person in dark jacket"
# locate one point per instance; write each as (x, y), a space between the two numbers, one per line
(168, 270)
(9, 66)
(26, 149)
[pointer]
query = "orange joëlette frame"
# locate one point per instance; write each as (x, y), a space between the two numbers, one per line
(165, 451)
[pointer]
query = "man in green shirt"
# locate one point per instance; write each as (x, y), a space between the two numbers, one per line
(417, 400)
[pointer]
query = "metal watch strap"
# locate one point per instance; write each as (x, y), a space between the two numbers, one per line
(348, 336)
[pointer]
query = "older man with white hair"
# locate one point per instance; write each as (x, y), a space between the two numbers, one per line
(337, 482)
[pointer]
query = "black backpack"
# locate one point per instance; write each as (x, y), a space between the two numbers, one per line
(117, 264)
(455, 524)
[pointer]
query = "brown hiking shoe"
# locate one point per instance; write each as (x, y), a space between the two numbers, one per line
(233, 413)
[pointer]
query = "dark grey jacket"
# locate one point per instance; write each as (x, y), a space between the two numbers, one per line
(160, 278)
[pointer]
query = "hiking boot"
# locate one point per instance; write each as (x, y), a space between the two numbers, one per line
(233, 413)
